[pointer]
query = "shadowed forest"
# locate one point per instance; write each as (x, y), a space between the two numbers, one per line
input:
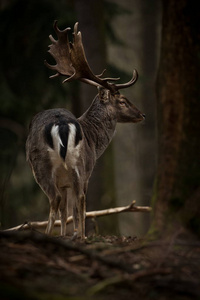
(148, 255)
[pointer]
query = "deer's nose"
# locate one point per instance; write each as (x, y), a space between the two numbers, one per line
(143, 115)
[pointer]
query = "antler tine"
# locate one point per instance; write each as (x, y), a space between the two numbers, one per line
(129, 83)
(60, 50)
(101, 73)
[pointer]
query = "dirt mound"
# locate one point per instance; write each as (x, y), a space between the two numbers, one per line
(35, 266)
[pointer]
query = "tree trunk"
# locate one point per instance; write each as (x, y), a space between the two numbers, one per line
(101, 191)
(177, 188)
(146, 135)
(134, 144)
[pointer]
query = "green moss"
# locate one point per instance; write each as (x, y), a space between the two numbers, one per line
(152, 234)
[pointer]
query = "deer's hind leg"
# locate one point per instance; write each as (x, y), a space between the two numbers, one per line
(54, 201)
(44, 176)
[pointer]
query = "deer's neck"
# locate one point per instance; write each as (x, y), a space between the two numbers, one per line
(98, 126)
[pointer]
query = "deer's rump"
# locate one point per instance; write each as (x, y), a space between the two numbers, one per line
(61, 134)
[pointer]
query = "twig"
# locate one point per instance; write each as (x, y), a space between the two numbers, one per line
(91, 214)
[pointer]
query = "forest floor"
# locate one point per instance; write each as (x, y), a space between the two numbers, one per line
(35, 266)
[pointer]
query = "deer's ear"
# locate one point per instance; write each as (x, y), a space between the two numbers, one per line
(104, 94)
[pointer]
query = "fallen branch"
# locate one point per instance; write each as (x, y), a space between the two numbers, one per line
(90, 214)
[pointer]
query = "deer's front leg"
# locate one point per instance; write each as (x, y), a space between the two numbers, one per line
(82, 213)
(75, 220)
(79, 212)
(63, 211)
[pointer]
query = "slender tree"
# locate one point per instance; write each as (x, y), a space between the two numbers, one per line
(25, 90)
(177, 187)
(90, 15)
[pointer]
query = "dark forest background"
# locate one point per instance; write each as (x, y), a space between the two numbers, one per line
(158, 159)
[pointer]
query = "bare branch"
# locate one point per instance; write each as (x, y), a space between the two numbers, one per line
(90, 214)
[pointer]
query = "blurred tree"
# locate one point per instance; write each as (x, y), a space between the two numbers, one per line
(177, 187)
(91, 16)
(25, 90)
(134, 144)
(96, 19)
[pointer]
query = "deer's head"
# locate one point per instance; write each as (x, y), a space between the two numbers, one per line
(71, 62)
(119, 107)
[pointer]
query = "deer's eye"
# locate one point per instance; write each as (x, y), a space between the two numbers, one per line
(122, 103)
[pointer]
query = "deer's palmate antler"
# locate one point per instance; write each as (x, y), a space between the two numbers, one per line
(61, 149)
(71, 61)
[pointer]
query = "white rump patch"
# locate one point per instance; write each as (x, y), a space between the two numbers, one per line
(73, 151)
(57, 142)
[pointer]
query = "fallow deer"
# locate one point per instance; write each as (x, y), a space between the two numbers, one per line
(61, 149)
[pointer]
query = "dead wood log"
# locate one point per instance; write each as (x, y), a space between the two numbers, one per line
(91, 214)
